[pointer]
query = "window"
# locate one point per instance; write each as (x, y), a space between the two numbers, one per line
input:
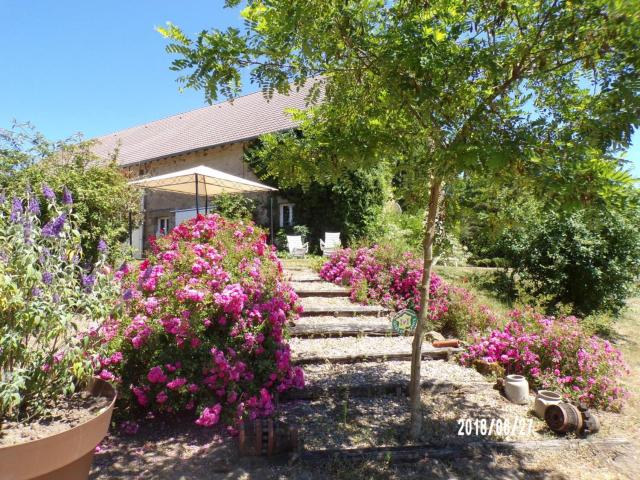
(163, 226)
(286, 215)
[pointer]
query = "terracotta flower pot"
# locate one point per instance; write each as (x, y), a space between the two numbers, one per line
(63, 456)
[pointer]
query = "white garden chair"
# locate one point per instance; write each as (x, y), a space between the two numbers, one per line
(331, 243)
(296, 247)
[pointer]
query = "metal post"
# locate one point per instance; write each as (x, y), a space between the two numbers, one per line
(197, 202)
(271, 218)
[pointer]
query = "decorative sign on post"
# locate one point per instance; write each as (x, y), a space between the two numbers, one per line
(404, 321)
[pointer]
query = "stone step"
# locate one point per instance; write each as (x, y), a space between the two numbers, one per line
(338, 307)
(360, 349)
(303, 277)
(320, 289)
(369, 379)
(325, 326)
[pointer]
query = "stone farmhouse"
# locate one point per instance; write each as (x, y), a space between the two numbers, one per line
(215, 136)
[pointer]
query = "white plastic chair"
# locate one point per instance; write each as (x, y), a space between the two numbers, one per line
(331, 243)
(296, 247)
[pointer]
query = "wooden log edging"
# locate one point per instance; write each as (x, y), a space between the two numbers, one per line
(436, 354)
(422, 452)
(322, 293)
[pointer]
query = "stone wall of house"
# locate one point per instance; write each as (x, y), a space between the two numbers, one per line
(162, 204)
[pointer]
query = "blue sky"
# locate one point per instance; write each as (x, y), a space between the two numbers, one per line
(95, 67)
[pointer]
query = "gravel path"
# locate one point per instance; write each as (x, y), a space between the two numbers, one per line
(341, 326)
(331, 347)
(326, 375)
(319, 287)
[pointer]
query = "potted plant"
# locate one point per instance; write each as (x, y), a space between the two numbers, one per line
(53, 412)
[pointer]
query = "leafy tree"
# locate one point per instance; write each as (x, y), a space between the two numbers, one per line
(487, 209)
(101, 195)
(544, 88)
(351, 204)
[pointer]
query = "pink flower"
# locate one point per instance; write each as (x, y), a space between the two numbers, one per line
(106, 375)
(130, 427)
(141, 397)
(193, 388)
(161, 397)
(209, 416)
(176, 383)
(156, 375)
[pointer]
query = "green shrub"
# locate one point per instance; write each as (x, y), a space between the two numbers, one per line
(464, 315)
(588, 260)
(234, 206)
(103, 198)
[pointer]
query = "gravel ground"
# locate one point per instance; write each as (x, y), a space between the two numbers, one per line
(333, 422)
(326, 375)
(337, 323)
(319, 286)
(381, 421)
(329, 347)
(329, 302)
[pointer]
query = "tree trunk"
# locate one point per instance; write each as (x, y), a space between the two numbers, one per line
(418, 336)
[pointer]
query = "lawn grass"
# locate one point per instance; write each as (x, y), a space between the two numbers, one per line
(476, 280)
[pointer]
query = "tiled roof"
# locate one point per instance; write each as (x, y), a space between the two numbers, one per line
(247, 117)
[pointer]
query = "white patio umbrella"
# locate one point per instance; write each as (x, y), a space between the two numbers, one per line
(198, 180)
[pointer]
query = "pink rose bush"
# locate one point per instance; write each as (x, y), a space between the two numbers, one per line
(555, 353)
(204, 325)
(377, 274)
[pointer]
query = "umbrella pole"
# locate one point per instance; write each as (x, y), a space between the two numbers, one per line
(197, 202)
(130, 230)
(271, 216)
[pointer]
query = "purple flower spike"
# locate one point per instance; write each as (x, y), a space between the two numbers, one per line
(47, 278)
(88, 281)
(36, 292)
(34, 206)
(54, 227)
(27, 233)
(67, 198)
(3, 197)
(48, 193)
(16, 209)
(102, 246)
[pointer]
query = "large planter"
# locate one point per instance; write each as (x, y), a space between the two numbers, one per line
(63, 456)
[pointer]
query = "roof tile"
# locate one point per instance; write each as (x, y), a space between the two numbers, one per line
(244, 118)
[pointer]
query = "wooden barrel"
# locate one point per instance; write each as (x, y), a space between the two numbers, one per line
(563, 418)
(266, 437)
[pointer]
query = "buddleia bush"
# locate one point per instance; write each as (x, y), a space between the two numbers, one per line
(49, 296)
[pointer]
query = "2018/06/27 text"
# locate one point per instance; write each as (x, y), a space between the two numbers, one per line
(495, 426)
